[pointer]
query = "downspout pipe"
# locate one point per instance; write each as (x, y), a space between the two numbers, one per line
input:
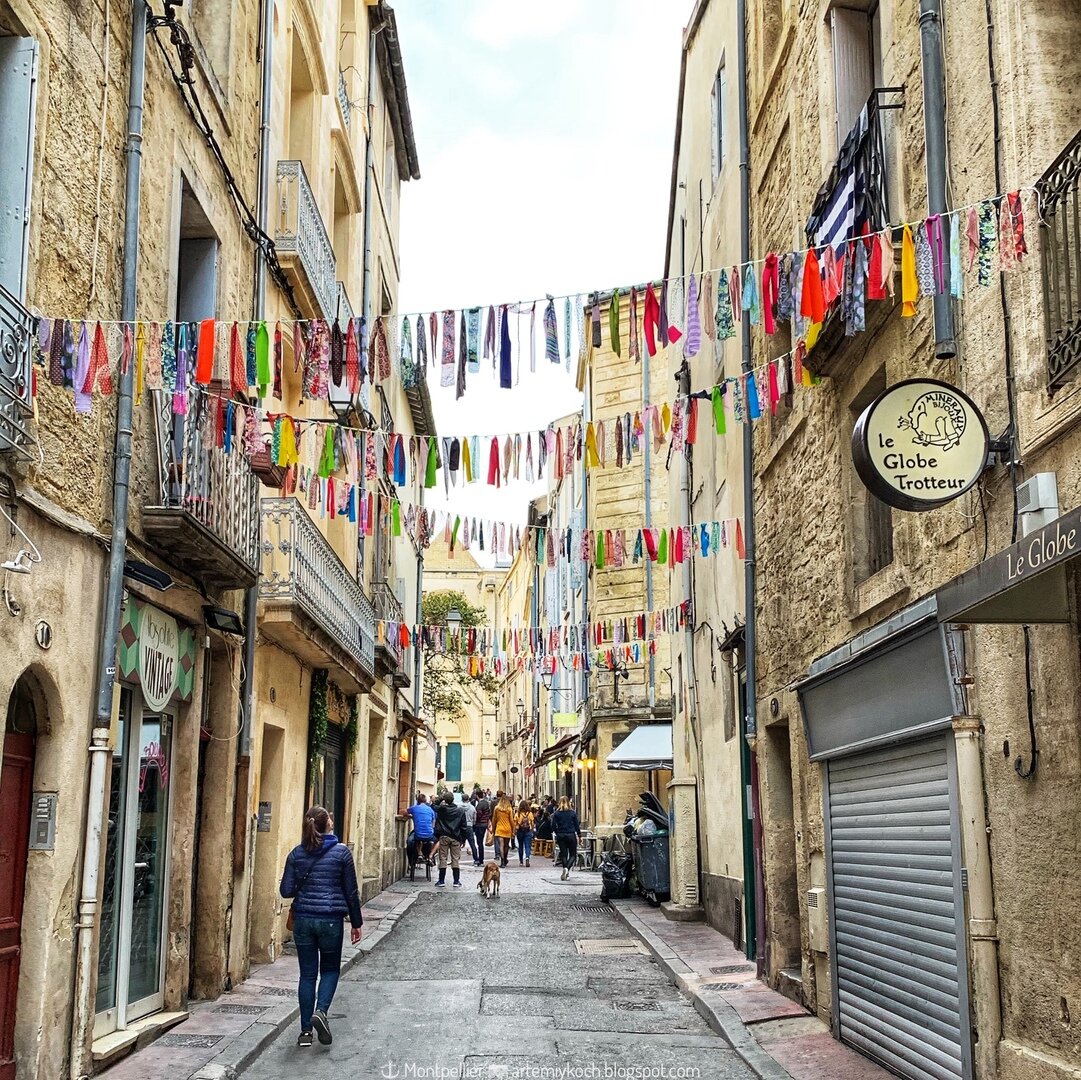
(750, 649)
(251, 597)
(934, 127)
(647, 471)
(100, 752)
(367, 300)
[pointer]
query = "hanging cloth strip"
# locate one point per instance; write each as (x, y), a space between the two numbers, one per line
(613, 322)
(723, 320)
(771, 285)
(505, 369)
(472, 334)
(909, 279)
(693, 341)
(463, 359)
(633, 349)
(446, 352)
(551, 333)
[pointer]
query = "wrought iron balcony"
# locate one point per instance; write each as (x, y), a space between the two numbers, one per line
(389, 653)
(16, 385)
(344, 309)
(344, 102)
(302, 243)
(207, 519)
(1060, 260)
(311, 604)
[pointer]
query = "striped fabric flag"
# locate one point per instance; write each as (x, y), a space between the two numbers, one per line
(551, 333)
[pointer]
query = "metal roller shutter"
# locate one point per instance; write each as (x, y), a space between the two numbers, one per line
(895, 889)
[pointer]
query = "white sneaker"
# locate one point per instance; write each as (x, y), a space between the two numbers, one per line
(564, 877)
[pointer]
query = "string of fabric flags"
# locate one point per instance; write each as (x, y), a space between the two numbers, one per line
(542, 648)
(803, 285)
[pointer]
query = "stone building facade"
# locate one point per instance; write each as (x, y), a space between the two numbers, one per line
(962, 927)
(199, 805)
(704, 233)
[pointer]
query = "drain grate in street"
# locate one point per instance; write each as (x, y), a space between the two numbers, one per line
(277, 991)
(192, 1042)
(721, 986)
(242, 1010)
(592, 907)
(729, 969)
(618, 946)
(637, 1006)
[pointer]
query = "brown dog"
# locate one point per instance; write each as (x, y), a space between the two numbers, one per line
(489, 882)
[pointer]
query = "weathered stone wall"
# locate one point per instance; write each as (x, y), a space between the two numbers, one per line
(811, 597)
(704, 222)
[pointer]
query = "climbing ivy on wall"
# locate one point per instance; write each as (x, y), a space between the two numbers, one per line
(318, 719)
(352, 729)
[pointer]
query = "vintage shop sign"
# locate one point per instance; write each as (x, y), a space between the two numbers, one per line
(920, 444)
(156, 652)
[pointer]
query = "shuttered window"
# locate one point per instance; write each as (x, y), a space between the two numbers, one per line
(897, 918)
(18, 76)
(853, 65)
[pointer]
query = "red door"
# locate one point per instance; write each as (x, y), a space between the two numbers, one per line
(16, 779)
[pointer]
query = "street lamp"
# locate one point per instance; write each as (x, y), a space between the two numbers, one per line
(341, 401)
(521, 712)
(454, 620)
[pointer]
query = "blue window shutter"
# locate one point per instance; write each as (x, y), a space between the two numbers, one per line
(18, 80)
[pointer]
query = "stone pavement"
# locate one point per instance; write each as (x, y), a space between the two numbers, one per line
(542, 982)
(221, 1038)
(777, 1037)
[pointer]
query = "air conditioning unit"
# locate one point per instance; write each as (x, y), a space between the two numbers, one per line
(1037, 501)
(818, 929)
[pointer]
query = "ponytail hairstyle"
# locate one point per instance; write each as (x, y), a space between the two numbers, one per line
(564, 803)
(316, 824)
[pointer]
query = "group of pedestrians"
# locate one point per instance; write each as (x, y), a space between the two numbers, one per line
(321, 878)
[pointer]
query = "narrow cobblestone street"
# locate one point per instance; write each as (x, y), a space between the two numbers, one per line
(475, 988)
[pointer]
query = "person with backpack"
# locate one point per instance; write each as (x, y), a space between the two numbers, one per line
(523, 826)
(480, 827)
(450, 828)
(321, 878)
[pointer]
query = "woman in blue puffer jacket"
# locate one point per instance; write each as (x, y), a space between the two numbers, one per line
(321, 878)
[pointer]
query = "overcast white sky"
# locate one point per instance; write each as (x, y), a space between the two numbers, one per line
(544, 132)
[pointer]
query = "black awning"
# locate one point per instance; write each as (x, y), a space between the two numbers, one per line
(1025, 583)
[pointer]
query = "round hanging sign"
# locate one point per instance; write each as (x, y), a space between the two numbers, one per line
(920, 444)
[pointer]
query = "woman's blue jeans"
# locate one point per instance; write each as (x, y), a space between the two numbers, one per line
(319, 950)
(525, 844)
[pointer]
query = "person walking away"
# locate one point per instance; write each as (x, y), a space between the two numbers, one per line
(450, 828)
(423, 828)
(544, 824)
(567, 832)
(523, 827)
(469, 806)
(321, 878)
(480, 826)
(502, 828)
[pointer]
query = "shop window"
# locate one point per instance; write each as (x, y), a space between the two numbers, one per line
(872, 521)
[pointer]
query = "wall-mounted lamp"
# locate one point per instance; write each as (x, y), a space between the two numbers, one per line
(228, 622)
(521, 711)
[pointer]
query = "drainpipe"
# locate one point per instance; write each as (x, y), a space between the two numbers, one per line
(750, 648)
(100, 752)
(934, 127)
(417, 674)
(251, 597)
(982, 927)
(367, 300)
(647, 472)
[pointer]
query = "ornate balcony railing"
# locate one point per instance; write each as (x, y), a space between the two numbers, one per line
(208, 514)
(389, 610)
(300, 566)
(16, 404)
(344, 309)
(344, 102)
(1060, 260)
(300, 232)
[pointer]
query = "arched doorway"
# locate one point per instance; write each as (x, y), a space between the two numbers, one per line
(16, 796)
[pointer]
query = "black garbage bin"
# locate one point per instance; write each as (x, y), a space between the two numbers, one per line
(652, 865)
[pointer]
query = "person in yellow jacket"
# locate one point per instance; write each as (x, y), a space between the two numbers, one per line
(502, 827)
(523, 828)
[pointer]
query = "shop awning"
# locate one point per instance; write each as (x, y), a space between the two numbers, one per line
(558, 749)
(1025, 583)
(647, 747)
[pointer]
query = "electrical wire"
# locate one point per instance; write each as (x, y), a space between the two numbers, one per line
(185, 84)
